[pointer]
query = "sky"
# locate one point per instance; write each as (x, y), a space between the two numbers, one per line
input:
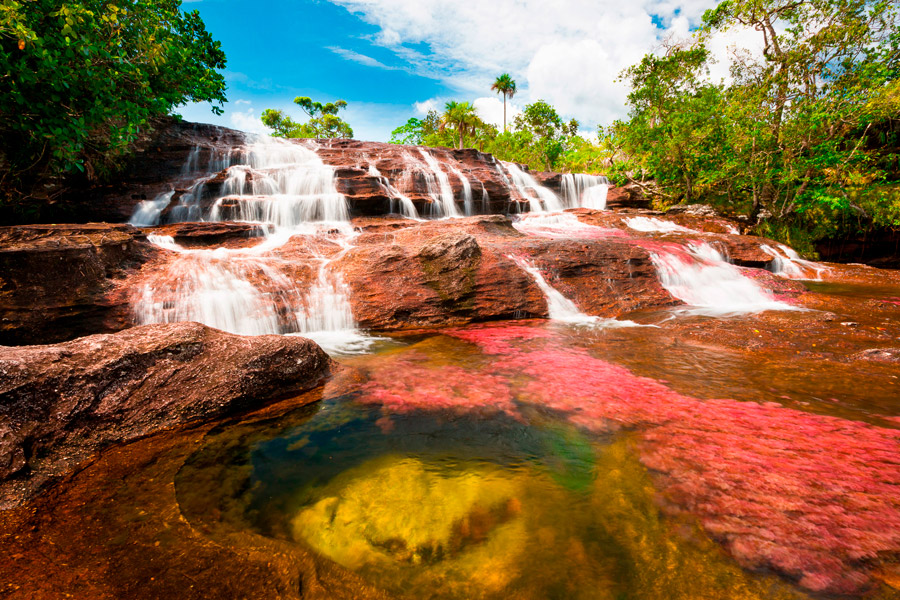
(394, 59)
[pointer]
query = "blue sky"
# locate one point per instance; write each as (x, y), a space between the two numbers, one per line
(394, 59)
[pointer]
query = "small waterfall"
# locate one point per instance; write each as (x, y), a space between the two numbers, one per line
(788, 263)
(540, 198)
(439, 187)
(586, 191)
(407, 208)
(244, 292)
(468, 201)
(282, 184)
(560, 308)
(699, 276)
(651, 225)
(147, 212)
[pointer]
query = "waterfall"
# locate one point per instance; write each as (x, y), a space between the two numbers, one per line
(245, 292)
(540, 199)
(147, 212)
(586, 191)
(439, 187)
(699, 276)
(560, 308)
(468, 201)
(407, 208)
(788, 263)
(282, 184)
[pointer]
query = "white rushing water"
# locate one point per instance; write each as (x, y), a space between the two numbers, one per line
(407, 208)
(787, 263)
(288, 191)
(560, 308)
(439, 188)
(540, 198)
(586, 191)
(649, 224)
(559, 225)
(700, 276)
(147, 212)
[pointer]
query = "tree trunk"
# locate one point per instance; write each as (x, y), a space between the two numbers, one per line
(504, 112)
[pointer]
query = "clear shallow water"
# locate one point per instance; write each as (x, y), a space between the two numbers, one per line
(539, 461)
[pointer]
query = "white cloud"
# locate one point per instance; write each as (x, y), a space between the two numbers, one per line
(423, 107)
(491, 111)
(247, 120)
(568, 52)
(359, 58)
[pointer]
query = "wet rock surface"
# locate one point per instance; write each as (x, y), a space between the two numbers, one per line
(61, 281)
(61, 403)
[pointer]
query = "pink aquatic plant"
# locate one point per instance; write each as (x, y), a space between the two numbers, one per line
(815, 497)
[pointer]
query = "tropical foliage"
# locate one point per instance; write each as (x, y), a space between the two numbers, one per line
(803, 138)
(506, 86)
(324, 121)
(79, 80)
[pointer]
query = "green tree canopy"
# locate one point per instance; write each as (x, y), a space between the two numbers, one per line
(461, 118)
(324, 121)
(80, 79)
(802, 134)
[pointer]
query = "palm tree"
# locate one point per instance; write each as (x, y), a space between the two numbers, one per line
(461, 116)
(506, 86)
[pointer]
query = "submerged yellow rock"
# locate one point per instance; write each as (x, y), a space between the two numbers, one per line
(396, 509)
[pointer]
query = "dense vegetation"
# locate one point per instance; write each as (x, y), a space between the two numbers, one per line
(804, 139)
(81, 79)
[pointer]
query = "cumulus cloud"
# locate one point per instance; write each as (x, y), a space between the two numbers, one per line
(247, 120)
(568, 52)
(423, 107)
(491, 111)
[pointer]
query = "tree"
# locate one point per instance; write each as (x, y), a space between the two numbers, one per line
(408, 133)
(548, 130)
(323, 120)
(506, 86)
(803, 133)
(79, 80)
(461, 118)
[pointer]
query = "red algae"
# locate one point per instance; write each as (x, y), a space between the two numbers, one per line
(814, 497)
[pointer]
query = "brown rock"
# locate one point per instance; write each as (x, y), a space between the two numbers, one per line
(58, 281)
(61, 403)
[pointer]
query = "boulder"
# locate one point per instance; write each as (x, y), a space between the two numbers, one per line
(61, 403)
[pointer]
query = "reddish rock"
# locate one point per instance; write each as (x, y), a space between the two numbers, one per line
(460, 271)
(61, 403)
(201, 235)
(60, 281)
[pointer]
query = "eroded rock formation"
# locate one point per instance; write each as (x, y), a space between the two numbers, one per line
(61, 403)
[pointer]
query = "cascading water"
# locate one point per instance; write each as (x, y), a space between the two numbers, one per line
(289, 191)
(407, 208)
(560, 308)
(651, 225)
(540, 199)
(699, 276)
(147, 212)
(788, 263)
(439, 187)
(586, 191)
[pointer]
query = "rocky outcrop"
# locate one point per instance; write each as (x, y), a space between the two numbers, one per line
(61, 403)
(408, 274)
(61, 281)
